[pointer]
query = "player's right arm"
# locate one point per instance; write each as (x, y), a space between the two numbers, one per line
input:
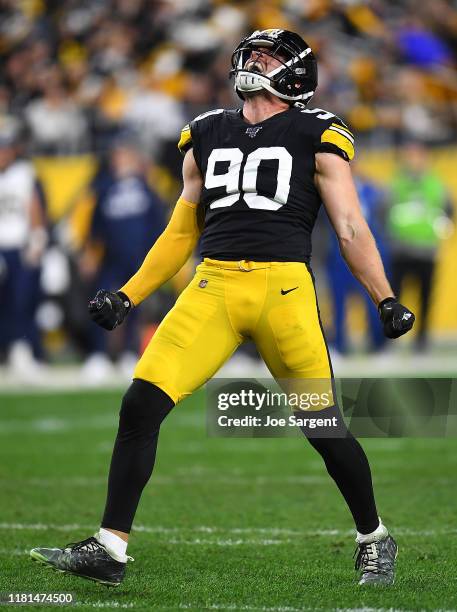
(166, 257)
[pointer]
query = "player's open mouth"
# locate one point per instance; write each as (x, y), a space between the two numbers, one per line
(255, 65)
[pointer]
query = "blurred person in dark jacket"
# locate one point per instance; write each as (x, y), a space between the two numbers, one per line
(419, 217)
(342, 283)
(23, 239)
(126, 217)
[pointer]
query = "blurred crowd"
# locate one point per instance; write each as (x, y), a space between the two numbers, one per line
(73, 70)
(117, 80)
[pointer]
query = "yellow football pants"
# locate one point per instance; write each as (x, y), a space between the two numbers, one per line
(227, 302)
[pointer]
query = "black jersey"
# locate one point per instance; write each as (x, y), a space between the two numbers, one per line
(259, 199)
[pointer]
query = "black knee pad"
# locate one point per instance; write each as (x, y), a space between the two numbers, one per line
(144, 407)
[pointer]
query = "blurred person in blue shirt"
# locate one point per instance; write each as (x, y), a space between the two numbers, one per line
(420, 46)
(128, 216)
(342, 283)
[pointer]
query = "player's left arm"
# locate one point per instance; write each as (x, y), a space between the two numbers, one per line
(334, 182)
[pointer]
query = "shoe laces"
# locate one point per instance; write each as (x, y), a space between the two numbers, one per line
(367, 557)
(89, 545)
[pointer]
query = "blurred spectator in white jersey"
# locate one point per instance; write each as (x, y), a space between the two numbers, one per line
(57, 125)
(23, 238)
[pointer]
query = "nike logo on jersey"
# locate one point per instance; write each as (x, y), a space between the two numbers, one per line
(284, 292)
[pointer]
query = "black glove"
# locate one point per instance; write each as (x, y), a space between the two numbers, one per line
(396, 318)
(109, 309)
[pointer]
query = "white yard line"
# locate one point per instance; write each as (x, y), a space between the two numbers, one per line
(107, 604)
(242, 608)
(230, 542)
(83, 481)
(274, 533)
(56, 425)
(16, 552)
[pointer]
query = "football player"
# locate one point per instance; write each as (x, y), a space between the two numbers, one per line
(254, 179)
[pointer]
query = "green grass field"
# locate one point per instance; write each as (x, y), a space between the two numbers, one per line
(224, 524)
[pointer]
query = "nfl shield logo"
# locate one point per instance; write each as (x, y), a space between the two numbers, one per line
(202, 284)
(252, 131)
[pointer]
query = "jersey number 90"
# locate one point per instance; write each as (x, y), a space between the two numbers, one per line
(248, 191)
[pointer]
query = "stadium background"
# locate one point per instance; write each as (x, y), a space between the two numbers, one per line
(75, 75)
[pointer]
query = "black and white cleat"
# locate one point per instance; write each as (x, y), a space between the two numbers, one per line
(87, 559)
(376, 561)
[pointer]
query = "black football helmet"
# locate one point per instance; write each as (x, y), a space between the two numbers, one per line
(295, 80)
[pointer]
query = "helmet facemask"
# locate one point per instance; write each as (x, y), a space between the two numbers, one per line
(295, 79)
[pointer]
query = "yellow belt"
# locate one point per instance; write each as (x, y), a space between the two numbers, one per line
(244, 265)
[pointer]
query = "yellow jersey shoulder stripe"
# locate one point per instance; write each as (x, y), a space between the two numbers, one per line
(343, 127)
(341, 130)
(185, 142)
(336, 137)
